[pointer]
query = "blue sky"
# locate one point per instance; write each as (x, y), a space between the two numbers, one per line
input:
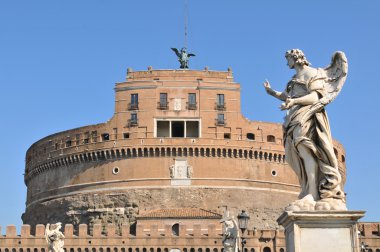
(59, 61)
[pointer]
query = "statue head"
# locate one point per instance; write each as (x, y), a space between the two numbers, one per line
(298, 56)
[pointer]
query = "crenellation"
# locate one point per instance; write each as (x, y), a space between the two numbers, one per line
(125, 230)
(40, 230)
(111, 230)
(97, 230)
(25, 231)
(69, 230)
(197, 232)
(83, 230)
(11, 231)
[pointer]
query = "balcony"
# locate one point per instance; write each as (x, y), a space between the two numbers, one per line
(132, 123)
(133, 106)
(163, 105)
(220, 122)
(191, 106)
(220, 106)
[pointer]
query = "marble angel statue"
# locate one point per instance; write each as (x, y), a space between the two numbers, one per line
(54, 237)
(307, 137)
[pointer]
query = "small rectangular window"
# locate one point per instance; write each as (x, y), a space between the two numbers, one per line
(227, 135)
(220, 99)
(220, 103)
(163, 103)
(77, 139)
(192, 101)
(105, 137)
(86, 138)
(94, 136)
(68, 143)
(220, 119)
(126, 135)
(133, 121)
(134, 101)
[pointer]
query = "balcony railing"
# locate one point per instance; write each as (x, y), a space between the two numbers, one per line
(133, 106)
(163, 105)
(191, 106)
(220, 122)
(220, 106)
(132, 123)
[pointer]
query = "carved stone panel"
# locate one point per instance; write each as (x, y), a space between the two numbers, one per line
(181, 172)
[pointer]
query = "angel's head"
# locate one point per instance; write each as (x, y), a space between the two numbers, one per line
(296, 56)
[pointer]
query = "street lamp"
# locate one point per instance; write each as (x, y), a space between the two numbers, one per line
(243, 219)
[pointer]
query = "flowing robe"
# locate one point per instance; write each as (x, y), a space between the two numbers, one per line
(308, 125)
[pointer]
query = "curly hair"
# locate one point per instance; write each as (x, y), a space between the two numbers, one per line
(298, 56)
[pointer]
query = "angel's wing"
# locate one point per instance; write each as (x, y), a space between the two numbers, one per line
(191, 54)
(336, 76)
(176, 52)
(47, 233)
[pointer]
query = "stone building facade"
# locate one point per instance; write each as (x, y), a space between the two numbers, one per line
(177, 143)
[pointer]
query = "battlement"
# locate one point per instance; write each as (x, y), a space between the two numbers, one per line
(185, 74)
(142, 231)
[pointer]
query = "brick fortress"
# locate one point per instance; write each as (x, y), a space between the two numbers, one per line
(158, 174)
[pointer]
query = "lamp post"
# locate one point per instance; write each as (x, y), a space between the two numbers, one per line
(243, 219)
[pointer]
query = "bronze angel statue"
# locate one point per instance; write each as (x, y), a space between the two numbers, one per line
(307, 137)
(183, 57)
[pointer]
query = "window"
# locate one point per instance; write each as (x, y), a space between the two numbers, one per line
(134, 102)
(184, 128)
(220, 104)
(178, 129)
(175, 229)
(163, 103)
(271, 139)
(250, 136)
(192, 101)
(68, 143)
(220, 119)
(163, 129)
(227, 135)
(86, 137)
(133, 120)
(105, 137)
(77, 139)
(126, 135)
(94, 136)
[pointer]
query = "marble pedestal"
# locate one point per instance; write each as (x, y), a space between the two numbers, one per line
(321, 231)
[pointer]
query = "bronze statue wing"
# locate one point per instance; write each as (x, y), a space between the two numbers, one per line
(191, 54)
(176, 52)
(336, 76)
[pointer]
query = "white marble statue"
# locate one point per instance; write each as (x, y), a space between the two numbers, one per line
(307, 137)
(54, 237)
(230, 234)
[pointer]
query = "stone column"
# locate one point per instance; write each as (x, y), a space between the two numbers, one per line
(321, 231)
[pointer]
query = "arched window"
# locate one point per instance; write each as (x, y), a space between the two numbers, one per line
(282, 250)
(252, 250)
(343, 159)
(267, 249)
(175, 229)
(271, 139)
(250, 136)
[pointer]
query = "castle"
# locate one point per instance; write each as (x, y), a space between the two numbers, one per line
(158, 175)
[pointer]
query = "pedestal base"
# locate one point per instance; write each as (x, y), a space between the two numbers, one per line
(321, 231)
